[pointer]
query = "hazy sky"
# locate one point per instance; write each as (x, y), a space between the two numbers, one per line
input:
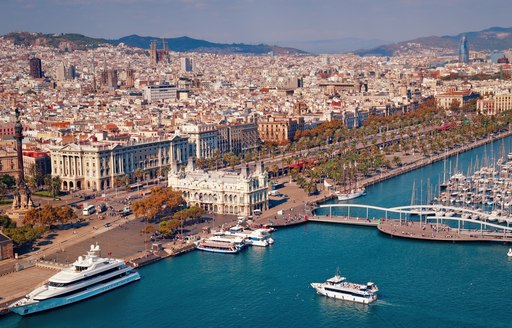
(253, 21)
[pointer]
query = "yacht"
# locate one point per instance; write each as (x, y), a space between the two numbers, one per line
(259, 237)
(89, 276)
(509, 253)
(337, 287)
(352, 194)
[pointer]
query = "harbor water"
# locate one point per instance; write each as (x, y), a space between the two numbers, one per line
(422, 284)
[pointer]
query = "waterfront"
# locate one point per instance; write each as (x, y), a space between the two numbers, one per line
(423, 284)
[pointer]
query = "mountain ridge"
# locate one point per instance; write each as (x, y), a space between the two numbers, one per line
(493, 38)
(76, 41)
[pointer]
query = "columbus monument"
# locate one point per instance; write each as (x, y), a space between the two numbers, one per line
(22, 201)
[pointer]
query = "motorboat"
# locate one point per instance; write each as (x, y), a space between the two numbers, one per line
(338, 287)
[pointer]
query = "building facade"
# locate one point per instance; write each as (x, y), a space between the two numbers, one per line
(445, 100)
(36, 71)
(187, 65)
(222, 192)
(279, 130)
(158, 92)
(495, 104)
(96, 167)
(203, 138)
(8, 162)
(36, 162)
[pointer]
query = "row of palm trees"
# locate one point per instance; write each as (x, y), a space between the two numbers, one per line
(359, 152)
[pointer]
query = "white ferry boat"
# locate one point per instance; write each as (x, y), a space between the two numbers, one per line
(87, 277)
(221, 244)
(352, 194)
(337, 287)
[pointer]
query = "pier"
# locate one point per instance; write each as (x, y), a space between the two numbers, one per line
(427, 226)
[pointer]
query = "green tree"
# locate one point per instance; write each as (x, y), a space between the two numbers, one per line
(25, 234)
(169, 227)
(53, 184)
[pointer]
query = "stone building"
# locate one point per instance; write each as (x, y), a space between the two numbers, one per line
(279, 130)
(203, 137)
(36, 162)
(96, 166)
(495, 104)
(222, 192)
(238, 138)
(445, 100)
(8, 162)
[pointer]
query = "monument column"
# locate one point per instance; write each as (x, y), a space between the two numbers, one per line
(22, 198)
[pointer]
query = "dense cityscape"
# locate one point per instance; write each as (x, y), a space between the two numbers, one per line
(137, 155)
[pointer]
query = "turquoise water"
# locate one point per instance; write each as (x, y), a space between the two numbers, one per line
(422, 284)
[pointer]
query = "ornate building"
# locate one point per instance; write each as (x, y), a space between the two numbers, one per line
(96, 166)
(222, 192)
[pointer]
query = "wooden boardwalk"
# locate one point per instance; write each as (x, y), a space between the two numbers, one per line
(440, 232)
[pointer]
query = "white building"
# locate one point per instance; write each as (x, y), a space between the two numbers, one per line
(222, 192)
(203, 136)
(96, 166)
(160, 92)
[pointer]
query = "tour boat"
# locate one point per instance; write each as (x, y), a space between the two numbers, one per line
(338, 288)
(221, 244)
(352, 194)
(89, 276)
(509, 253)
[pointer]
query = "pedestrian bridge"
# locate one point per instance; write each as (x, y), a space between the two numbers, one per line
(426, 214)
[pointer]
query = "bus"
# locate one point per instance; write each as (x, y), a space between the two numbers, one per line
(88, 210)
(137, 186)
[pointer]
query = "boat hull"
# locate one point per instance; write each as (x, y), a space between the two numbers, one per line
(226, 251)
(55, 302)
(342, 296)
(343, 197)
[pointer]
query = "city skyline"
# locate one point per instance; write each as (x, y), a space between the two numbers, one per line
(253, 22)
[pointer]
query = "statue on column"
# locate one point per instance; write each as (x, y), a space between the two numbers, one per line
(22, 196)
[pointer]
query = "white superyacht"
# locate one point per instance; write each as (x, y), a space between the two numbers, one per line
(337, 287)
(87, 277)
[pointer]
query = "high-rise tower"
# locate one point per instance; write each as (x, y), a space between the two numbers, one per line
(35, 68)
(153, 53)
(463, 50)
